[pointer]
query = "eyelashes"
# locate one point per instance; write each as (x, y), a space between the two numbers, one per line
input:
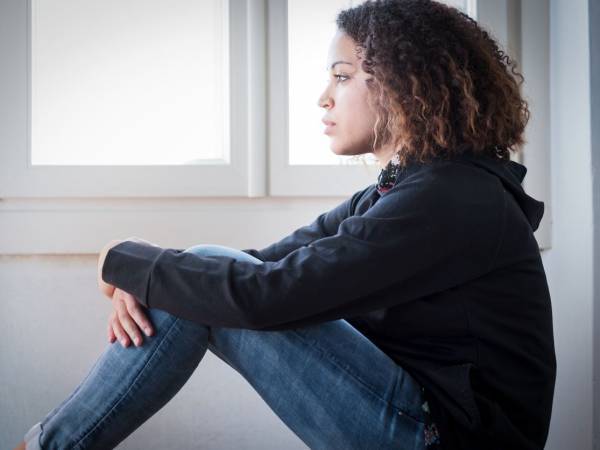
(340, 78)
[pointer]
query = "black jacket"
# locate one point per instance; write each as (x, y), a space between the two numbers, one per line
(442, 272)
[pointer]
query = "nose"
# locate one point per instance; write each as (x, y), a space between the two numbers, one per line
(325, 100)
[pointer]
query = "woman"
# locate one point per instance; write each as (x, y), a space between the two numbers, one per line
(414, 315)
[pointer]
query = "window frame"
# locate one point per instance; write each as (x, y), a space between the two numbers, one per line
(39, 217)
(299, 180)
(20, 179)
(303, 180)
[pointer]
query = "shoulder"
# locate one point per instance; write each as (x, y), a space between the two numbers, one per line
(460, 198)
(450, 184)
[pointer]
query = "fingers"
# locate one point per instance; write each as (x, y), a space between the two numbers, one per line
(120, 333)
(128, 315)
(111, 332)
(136, 313)
(128, 324)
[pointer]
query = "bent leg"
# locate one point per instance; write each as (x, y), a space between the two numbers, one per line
(125, 386)
(328, 383)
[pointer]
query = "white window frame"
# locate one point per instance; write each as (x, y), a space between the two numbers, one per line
(20, 179)
(299, 180)
(54, 209)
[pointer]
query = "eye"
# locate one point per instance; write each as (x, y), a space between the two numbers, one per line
(339, 76)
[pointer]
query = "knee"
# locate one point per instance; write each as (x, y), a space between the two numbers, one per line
(221, 250)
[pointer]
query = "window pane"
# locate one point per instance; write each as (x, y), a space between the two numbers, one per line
(311, 25)
(462, 5)
(137, 82)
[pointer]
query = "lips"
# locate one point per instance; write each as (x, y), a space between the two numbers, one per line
(329, 125)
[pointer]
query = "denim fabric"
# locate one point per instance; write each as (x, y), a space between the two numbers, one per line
(327, 382)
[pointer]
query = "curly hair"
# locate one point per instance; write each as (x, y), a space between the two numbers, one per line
(440, 84)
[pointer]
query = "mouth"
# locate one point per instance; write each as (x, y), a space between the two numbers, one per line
(328, 126)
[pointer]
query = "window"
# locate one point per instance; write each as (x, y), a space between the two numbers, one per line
(98, 112)
(129, 83)
(304, 164)
(311, 25)
(307, 76)
(128, 99)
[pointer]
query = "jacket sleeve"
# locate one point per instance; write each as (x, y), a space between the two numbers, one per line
(411, 242)
(325, 224)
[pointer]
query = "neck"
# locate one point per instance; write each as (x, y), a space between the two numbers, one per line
(384, 156)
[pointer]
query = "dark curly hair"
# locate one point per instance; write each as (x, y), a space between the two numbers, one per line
(440, 84)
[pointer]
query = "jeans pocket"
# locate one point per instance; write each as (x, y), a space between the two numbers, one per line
(407, 398)
(409, 414)
(406, 431)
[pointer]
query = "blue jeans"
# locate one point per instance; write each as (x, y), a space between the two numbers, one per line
(327, 382)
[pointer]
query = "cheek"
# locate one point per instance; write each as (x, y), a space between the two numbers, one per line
(358, 127)
(357, 118)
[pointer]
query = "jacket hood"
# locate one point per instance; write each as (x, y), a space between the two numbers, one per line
(511, 174)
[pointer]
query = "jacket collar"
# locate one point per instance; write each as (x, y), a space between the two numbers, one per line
(392, 173)
(510, 173)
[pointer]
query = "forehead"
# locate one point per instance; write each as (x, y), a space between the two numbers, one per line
(342, 48)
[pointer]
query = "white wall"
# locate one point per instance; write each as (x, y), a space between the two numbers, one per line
(569, 263)
(594, 15)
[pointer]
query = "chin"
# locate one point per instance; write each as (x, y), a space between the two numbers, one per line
(338, 151)
(341, 150)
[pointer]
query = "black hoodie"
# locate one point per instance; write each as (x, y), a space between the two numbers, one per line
(441, 271)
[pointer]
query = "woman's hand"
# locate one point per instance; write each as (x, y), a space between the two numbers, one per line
(126, 320)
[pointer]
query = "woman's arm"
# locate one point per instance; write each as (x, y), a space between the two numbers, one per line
(413, 240)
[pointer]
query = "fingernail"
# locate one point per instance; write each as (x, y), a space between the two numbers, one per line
(123, 341)
(147, 331)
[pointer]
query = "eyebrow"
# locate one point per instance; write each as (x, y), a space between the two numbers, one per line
(338, 62)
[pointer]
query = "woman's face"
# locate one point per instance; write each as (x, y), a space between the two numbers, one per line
(345, 100)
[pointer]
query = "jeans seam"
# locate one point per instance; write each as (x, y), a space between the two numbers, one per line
(120, 399)
(350, 372)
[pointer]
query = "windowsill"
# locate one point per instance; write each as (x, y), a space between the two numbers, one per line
(76, 226)
(80, 226)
